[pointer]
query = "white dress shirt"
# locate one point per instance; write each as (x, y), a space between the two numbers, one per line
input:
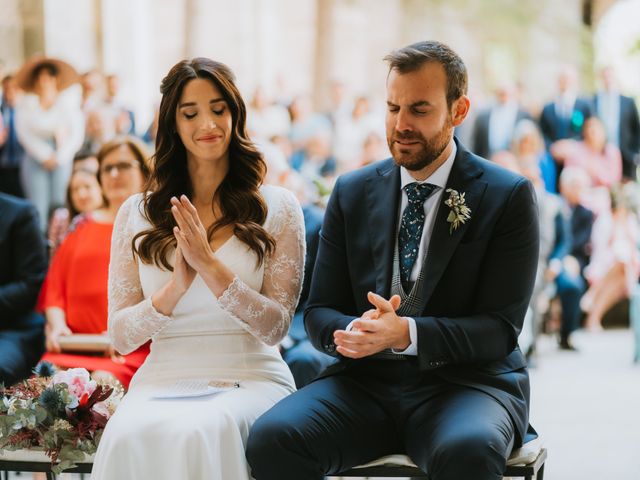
(439, 178)
(502, 121)
(565, 104)
(609, 113)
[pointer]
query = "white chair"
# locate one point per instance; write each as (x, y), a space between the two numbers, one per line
(526, 462)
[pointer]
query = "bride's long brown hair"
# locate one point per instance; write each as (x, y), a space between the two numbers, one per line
(238, 196)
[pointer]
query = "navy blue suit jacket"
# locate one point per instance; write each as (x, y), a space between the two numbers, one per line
(553, 128)
(23, 262)
(478, 281)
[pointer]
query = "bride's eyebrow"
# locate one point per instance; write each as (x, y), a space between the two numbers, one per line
(193, 104)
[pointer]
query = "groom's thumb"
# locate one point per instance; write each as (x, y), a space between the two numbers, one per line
(395, 302)
(380, 303)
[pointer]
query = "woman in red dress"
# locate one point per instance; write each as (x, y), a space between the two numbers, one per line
(75, 300)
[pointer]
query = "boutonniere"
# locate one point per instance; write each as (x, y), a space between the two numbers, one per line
(459, 212)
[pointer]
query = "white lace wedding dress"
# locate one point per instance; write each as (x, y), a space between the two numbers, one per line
(233, 337)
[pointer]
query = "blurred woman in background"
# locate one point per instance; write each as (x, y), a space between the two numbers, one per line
(50, 127)
(75, 300)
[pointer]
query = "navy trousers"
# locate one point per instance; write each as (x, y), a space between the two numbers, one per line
(380, 407)
(570, 290)
(21, 347)
(305, 362)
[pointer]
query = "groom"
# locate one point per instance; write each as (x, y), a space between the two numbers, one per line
(424, 272)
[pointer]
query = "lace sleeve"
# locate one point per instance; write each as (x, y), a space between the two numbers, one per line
(267, 314)
(132, 318)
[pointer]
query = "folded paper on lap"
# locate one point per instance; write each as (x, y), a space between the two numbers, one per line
(196, 388)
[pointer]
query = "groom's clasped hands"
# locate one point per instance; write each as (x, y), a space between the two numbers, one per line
(376, 330)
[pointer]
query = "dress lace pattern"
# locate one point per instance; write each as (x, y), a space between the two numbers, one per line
(265, 314)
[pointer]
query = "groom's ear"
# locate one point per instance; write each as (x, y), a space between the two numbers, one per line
(459, 110)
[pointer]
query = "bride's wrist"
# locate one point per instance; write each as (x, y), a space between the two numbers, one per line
(217, 276)
(166, 299)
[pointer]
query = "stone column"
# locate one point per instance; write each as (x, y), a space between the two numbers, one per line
(70, 32)
(127, 52)
(20, 25)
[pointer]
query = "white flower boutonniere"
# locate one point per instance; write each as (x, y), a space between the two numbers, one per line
(459, 212)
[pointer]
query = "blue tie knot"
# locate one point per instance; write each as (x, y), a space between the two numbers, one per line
(417, 193)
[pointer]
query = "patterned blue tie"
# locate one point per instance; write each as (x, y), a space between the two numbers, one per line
(411, 228)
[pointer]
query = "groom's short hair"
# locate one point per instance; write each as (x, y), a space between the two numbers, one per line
(412, 57)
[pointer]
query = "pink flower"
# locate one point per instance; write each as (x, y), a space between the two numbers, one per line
(78, 381)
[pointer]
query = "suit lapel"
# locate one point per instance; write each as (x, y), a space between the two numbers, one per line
(383, 194)
(464, 179)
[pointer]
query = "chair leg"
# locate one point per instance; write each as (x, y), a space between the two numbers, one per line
(51, 476)
(540, 475)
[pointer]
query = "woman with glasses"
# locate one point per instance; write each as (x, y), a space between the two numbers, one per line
(208, 265)
(75, 300)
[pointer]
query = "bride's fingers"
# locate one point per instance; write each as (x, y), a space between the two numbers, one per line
(190, 213)
(183, 242)
(183, 225)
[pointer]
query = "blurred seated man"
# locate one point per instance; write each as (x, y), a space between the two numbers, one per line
(22, 268)
(556, 268)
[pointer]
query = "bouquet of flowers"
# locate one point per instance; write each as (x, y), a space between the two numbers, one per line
(64, 413)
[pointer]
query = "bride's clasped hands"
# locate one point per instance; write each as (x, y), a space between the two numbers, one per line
(195, 249)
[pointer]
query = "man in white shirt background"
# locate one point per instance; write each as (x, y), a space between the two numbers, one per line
(619, 114)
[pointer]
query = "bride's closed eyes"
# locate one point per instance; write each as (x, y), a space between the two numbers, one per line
(192, 115)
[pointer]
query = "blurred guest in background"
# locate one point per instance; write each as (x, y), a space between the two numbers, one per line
(84, 195)
(266, 119)
(350, 133)
(615, 264)
(123, 119)
(50, 127)
(528, 144)
(566, 114)
(619, 115)
(598, 158)
(494, 127)
(574, 185)
(76, 291)
(92, 92)
(11, 152)
(564, 117)
(22, 268)
(305, 123)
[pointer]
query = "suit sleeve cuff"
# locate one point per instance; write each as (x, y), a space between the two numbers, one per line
(412, 349)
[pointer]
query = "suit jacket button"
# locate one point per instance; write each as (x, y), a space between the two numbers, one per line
(330, 348)
(433, 364)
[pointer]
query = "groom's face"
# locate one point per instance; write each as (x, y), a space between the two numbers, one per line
(419, 122)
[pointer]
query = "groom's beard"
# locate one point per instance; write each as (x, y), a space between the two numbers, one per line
(431, 149)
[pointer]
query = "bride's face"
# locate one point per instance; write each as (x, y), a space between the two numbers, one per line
(203, 121)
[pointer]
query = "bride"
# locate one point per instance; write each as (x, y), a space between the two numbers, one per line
(208, 265)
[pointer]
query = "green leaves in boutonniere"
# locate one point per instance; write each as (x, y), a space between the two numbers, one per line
(459, 212)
